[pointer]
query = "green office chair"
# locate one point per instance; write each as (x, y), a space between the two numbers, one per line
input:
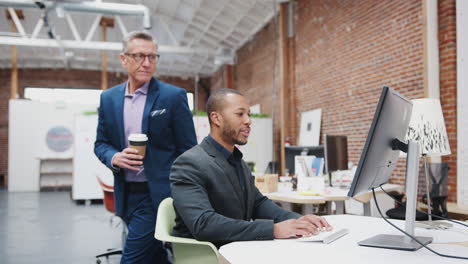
(185, 250)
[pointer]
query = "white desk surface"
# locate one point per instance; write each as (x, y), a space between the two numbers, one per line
(331, 194)
(346, 250)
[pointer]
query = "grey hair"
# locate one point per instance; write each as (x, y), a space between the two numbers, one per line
(136, 35)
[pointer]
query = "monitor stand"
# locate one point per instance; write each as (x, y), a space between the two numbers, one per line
(403, 242)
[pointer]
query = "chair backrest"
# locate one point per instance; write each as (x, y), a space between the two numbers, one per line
(165, 220)
(108, 195)
(438, 173)
(186, 250)
(272, 167)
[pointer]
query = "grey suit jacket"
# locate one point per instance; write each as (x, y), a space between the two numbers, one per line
(209, 201)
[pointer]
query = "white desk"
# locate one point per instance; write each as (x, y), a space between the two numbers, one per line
(346, 250)
(332, 194)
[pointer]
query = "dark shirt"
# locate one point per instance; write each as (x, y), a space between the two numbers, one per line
(234, 159)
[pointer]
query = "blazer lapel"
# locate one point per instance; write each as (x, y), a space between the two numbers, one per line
(119, 105)
(229, 172)
(151, 97)
(249, 195)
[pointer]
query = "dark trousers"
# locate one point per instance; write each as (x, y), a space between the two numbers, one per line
(141, 247)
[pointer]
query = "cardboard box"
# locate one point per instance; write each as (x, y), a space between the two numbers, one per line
(267, 183)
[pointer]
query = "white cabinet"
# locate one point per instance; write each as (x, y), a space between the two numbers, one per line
(86, 166)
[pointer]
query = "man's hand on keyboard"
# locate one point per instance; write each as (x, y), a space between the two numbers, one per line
(319, 222)
(293, 228)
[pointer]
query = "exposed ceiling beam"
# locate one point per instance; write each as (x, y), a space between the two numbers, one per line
(93, 28)
(86, 63)
(155, 4)
(203, 37)
(266, 19)
(94, 45)
(72, 26)
(88, 6)
(202, 64)
(169, 31)
(37, 28)
(236, 24)
(207, 26)
(121, 25)
(174, 10)
(169, 65)
(195, 32)
(17, 22)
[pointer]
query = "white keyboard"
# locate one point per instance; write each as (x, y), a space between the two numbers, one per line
(326, 236)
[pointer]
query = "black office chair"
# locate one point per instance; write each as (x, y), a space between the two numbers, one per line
(272, 167)
(438, 174)
(399, 211)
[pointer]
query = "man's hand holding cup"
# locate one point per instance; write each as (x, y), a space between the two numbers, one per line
(132, 157)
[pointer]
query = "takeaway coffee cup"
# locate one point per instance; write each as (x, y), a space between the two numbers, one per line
(138, 142)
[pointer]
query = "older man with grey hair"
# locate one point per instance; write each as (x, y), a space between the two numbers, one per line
(142, 105)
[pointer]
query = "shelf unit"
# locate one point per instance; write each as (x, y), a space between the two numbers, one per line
(55, 174)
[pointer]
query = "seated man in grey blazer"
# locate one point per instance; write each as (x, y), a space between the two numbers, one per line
(215, 198)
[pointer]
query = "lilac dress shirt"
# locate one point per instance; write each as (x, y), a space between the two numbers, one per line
(134, 105)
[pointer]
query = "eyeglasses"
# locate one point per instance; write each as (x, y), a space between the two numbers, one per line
(139, 57)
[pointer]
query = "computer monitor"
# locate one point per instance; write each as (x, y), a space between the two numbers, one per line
(379, 157)
(292, 151)
(336, 154)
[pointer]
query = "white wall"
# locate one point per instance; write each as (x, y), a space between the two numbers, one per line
(462, 102)
(29, 122)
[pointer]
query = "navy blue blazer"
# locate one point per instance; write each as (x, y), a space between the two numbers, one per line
(167, 121)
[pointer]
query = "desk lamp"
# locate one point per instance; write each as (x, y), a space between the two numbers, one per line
(427, 127)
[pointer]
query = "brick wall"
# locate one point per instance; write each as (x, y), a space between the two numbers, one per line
(4, 96)
(448, 84)
(217, 80)
(254, 75)
(199, 91)
(59, 78)
(345, 51)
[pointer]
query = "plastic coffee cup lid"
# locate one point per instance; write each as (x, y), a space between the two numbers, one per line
(137, 137)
